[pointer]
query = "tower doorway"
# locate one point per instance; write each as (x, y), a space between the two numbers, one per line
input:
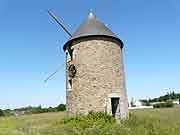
(114, 105)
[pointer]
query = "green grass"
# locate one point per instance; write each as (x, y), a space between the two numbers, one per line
(29, 124)
(164, 121)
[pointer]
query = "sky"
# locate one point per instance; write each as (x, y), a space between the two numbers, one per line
(31, 46)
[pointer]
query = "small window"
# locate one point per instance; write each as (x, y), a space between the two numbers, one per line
(68, 57)
(70, 83)
(71, 53)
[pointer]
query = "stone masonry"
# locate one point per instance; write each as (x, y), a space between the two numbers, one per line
(99, 77)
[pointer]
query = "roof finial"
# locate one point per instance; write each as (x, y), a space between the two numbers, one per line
(91, 13)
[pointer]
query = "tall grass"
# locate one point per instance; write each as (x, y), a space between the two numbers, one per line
(141, 122)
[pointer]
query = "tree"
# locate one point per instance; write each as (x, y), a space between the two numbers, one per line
(1, 113)
(61, 107)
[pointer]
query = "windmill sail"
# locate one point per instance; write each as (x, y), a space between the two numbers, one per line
(59, 22)
(57, 70)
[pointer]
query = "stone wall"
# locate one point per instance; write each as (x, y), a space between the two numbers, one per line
(99, 75)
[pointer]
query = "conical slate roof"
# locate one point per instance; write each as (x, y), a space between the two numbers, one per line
(92, 27)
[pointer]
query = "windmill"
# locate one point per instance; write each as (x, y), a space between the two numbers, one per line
(95, 77)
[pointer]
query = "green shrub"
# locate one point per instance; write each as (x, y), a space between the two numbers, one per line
(91, 117)
(95, 116)
(164, 105)
(103, 124)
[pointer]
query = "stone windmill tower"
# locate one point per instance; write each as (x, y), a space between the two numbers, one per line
(95, 79)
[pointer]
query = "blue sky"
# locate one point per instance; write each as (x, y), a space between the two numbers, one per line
(31, 46)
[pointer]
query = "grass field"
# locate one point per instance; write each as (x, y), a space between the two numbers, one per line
(141, 122)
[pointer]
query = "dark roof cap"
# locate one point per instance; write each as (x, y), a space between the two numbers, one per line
(92, 27)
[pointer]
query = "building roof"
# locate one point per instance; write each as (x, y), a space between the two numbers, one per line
(92, 27)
